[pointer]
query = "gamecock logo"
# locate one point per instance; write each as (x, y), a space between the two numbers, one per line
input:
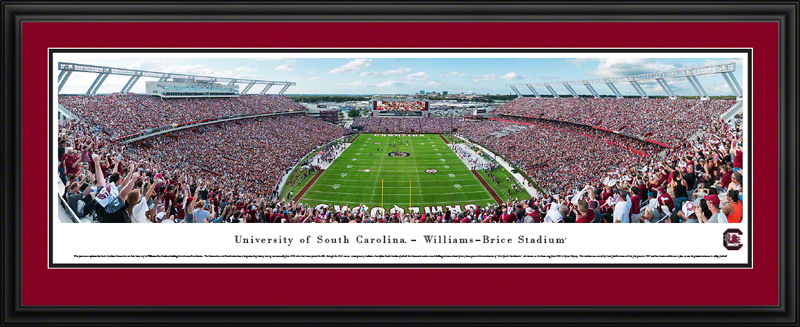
(431, 171)
(732, 239)
(398, 154)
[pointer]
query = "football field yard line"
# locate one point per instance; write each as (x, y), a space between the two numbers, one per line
(480, 180)
(323, 192)
(450, 185)
(416, 167)
(380, 168)
(428, 204)
(398, 180)
(406, 187)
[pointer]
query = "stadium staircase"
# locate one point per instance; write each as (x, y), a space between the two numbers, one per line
(67, 113)
(729, 115)
(699, 103)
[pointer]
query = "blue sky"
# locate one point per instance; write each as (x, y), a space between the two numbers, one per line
(364, 75)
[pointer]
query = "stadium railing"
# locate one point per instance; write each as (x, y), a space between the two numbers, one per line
(136, 137)
(70, 213)
(595, 127)
(308, 155)
(520, 171)
(731, 113)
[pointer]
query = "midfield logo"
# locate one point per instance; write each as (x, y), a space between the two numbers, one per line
(398, 154)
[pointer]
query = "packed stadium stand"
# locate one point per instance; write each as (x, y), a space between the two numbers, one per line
(121, 114)
(407, 125)
(661, 120)
(238, 162)
(588, 155)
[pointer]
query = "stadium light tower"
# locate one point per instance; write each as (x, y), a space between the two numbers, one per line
(667, 89)
(266, 88)
(701, 92)
(97, 82)
(514, 88)
(592, 90)
(571, 90)
(552, 90)
(733, 84)
(129, 85)
(614, 90)
(726, 69)
(102, 73)
(247, 88)
(63, 76)
(639, 89)
(530, 87)
(285, 87)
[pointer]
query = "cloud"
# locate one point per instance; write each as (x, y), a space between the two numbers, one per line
(386, 72)
(434, 83)
(610, 67)
(484, 78)
(354, 84)
(719, 89)
(511, 76)
(148, 64)
(452, 74)
(709, 62)
(194, 69)
(352, 66)
(579, 61)
(418, 76)
(78, 83)
(269, 59)
(312, 72)
(390, 84)
(246, 69)
(288, 67)
(312, 78)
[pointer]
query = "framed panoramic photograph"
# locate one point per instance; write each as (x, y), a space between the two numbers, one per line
(387, 163)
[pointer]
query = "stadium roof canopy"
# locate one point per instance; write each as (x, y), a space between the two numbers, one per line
(690, 74)
(102, 72)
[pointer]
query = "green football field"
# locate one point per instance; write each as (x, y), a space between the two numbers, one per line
(362, 174)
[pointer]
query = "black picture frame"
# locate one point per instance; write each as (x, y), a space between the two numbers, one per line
(16, 12)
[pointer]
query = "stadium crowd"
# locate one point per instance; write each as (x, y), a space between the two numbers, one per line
(119, 115)
(229, 172)
(556, 159)
(401, 105)
(662, 120)
(698, 181)
(234, 162)
(406, 125)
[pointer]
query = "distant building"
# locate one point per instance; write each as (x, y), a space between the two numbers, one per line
(444, 92)
(422, 92)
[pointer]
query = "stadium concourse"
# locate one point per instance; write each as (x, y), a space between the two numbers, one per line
(598, 160)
